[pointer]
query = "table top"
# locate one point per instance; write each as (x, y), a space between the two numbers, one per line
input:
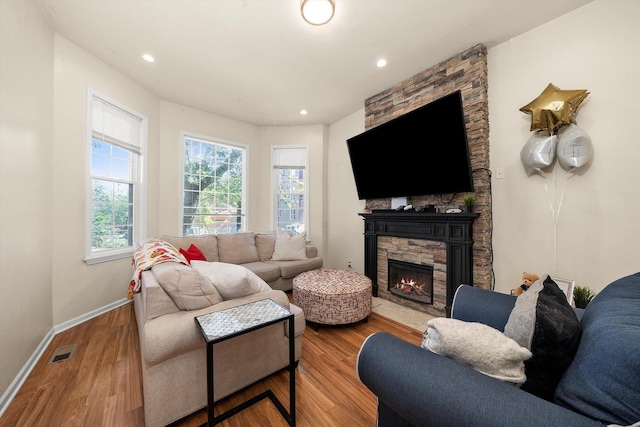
(233, 321)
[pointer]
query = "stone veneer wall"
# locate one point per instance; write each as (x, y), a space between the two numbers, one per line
(466, 72)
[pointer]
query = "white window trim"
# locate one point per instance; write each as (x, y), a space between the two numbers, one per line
(274, 187)
(140, 196)
(245, 167)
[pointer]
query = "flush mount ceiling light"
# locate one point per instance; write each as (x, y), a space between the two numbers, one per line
(317, 12)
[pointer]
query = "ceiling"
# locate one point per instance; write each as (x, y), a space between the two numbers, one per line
(259, 62)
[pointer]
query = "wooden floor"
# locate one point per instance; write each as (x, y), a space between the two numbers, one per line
(101, 384)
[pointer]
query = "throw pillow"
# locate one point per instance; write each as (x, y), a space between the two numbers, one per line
(188, 289)
(231, 280)
(288, 247)
(479, 346)
(543, 321)
(193, 253)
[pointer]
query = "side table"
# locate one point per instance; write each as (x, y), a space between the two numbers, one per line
(235, 321)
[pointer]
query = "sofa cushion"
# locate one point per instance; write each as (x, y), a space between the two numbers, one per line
(474, 344)
(543, 321)
(266, 271)
(237, 248)
(266, 243)
(289, 269)
(231, 280)
(288, 247)
(208, 244)
(188, 289)
(602, 382)
(193, 253)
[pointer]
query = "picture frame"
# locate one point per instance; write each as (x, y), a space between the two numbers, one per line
(566, 286)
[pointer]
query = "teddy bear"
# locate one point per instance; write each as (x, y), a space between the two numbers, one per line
(528, 279)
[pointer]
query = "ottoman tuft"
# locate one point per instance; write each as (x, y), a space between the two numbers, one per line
(332, 296)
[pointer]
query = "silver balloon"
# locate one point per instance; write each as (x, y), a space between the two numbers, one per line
(574, 147)
(538, 153)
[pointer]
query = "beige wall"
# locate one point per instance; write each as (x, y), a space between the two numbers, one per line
(26, 126)
(345, 241)
(594, 238)
(175, 120)
(79, 288)
(315, 138)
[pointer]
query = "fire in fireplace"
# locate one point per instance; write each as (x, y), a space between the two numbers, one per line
(411, 281)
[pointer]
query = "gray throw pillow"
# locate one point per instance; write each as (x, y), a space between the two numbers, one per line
(479, 346)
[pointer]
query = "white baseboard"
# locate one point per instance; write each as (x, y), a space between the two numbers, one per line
(18, 381)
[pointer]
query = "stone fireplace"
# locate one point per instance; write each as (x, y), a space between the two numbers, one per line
(466, 71)
(436, 247)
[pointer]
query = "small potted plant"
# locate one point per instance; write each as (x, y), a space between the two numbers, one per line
(469, 202)
(582, 296)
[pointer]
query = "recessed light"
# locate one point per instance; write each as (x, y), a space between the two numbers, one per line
(381, 62)
(148, 58)
(303, 112)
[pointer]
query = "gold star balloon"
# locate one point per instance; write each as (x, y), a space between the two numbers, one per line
(554, 108)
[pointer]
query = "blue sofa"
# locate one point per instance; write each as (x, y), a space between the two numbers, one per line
(601, 386)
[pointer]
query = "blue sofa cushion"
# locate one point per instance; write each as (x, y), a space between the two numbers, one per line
(543, 321)
(603, 382)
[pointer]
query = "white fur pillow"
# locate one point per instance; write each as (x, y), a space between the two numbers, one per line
(289, 248)
(482, 347)
(231, 280)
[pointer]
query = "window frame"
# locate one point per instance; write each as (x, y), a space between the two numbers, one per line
(95, 256)
(275, 185)
(184, 135)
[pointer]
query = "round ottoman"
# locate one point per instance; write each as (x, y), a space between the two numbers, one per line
(333, 297)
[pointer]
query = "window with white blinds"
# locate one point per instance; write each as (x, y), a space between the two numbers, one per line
(115, 196)
(289, 188)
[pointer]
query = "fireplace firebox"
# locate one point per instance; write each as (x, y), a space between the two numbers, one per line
(411, 281)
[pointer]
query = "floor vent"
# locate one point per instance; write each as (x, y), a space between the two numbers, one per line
(62, 353)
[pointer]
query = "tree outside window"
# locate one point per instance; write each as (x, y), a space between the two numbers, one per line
(214, 187)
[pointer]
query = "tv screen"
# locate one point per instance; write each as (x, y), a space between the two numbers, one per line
(422, 152)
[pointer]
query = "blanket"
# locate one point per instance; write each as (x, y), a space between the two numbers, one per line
(147, 255)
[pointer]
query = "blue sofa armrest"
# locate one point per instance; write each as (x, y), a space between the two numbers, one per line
(416, 387)
(472, 304)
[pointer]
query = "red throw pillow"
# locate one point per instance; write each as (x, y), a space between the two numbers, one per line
(193, 253)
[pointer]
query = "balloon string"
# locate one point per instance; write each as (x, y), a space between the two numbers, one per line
(555, 213)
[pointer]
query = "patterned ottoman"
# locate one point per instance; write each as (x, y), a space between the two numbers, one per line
(333, 297)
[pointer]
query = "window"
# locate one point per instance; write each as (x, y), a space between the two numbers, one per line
(214, 189)
(289, 184)
(115, 196)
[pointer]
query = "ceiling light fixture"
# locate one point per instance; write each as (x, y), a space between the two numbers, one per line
(317, 12)
(148, 57)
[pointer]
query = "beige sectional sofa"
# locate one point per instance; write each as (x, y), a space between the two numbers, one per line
(253, 250)
(172, 294)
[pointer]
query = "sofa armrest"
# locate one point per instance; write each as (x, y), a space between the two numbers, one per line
(472, 304)
(425, 389)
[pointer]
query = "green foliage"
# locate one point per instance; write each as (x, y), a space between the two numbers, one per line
(469, 200)
(582, 296)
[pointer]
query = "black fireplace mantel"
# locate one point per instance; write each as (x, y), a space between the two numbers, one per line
(453, 229)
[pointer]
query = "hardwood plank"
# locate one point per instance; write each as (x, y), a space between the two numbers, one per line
(101, 384)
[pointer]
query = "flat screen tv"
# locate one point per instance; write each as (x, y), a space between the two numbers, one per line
(422, 152)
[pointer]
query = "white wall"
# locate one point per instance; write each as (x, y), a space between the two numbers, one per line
(594, 237)
(26, 127)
